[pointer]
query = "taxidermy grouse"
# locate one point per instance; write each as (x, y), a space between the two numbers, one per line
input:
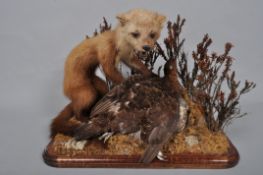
(154, 106)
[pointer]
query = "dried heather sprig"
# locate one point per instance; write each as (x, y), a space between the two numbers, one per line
(204, 82)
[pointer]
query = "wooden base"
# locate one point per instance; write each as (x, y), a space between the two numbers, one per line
(189, 160)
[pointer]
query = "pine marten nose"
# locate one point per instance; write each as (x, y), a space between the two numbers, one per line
(146, 48)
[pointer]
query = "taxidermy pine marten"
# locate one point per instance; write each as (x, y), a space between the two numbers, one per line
(133, 37)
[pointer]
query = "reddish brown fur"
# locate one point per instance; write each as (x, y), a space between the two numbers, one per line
(82, 86)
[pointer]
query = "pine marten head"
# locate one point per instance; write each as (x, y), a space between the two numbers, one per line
(140, 29)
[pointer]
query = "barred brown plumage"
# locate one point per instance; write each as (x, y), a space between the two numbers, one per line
(154, 106)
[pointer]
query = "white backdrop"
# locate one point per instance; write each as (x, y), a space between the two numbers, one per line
(36, 36)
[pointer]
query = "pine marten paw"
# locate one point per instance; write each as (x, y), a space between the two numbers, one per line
(74, 144)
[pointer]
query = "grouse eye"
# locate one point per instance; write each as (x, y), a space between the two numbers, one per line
(135, 34)
(152, 35)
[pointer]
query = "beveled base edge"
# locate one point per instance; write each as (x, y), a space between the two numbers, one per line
(189, 160)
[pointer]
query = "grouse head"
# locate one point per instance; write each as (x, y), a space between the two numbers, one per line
(170, 67)
(171, 76)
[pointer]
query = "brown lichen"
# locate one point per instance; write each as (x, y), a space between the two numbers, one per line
(208, 143)
(199, 140)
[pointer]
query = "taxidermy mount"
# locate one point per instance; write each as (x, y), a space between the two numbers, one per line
(134, 36)
(168, 116)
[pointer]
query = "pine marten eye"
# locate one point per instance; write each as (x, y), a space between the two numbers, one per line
(152, 35)
(135, 34)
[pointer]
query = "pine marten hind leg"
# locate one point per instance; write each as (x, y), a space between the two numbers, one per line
(100, 86)
(83, 98)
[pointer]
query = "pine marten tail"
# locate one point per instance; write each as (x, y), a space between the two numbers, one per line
(62, 123)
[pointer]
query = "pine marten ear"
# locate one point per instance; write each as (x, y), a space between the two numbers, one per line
(160, 19)
(122, 19)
